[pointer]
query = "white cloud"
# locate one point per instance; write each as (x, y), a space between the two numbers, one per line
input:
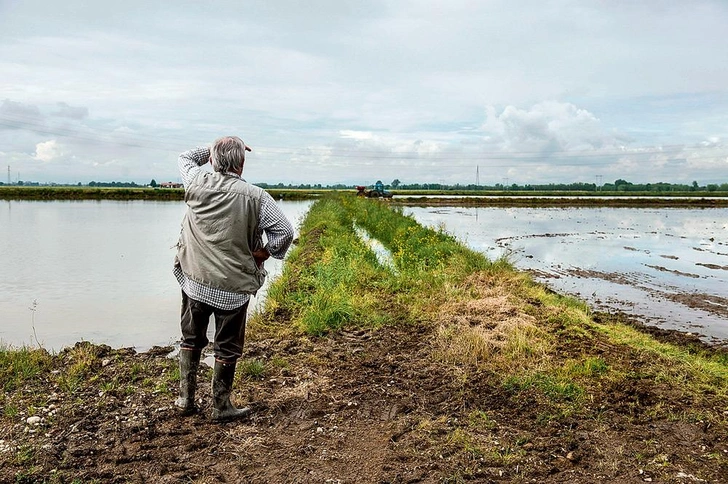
(356, 135)
(47, 151)
(547, 127)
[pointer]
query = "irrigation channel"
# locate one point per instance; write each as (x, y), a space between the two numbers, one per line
(100, 270)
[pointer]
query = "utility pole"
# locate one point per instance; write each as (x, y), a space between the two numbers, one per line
(8, 174)
(599, 181)
(477, 176)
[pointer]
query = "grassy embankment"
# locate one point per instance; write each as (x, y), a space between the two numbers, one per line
(332, 279)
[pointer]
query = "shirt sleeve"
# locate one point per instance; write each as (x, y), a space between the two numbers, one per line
(190, 162)
(276, 227)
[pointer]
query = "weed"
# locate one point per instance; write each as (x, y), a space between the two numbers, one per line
(163, 388)
(10, 410)
(136, 371)
(479, 419)
(20, 365)
(110, 385)
(554, 388)
(504, 456)
(33, 308)
(24, 455)
(252, 368)
(173, 374)
(591, 366)
(148, 383)
(279, 362)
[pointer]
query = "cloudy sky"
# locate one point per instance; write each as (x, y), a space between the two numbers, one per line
(343, 91)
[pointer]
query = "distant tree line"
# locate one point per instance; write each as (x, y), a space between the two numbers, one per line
(114, 184)
(618, 186)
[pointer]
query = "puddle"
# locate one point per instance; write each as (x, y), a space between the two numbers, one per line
(384, 256)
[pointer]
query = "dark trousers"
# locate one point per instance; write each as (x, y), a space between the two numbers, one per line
(229, 329)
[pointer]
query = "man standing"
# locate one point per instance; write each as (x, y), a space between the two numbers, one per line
(219, 264)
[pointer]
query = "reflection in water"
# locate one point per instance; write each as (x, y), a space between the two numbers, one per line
(100, 271)
(668, 265)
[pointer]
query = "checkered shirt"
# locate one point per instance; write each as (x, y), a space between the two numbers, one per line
(271, 221)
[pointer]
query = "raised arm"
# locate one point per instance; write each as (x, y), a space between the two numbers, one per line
(190, 162)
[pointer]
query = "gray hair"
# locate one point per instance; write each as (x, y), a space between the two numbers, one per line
(228, 154)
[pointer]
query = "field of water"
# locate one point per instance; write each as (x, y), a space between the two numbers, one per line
(668, 267)
(101, 270)
(97, 271)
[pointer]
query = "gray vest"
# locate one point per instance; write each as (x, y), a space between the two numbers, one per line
(220, 232)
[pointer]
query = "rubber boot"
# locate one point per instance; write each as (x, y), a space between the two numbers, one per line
(222, 384)
(189, 361)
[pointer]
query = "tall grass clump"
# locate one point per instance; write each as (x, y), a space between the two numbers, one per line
(20, 364)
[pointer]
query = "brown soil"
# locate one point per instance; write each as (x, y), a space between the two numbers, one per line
(358, 406)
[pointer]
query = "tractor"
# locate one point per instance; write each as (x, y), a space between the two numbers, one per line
(377, 192)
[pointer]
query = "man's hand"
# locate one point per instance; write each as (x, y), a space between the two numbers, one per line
(261, 255)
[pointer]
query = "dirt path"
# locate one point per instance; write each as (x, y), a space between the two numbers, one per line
(356, 407)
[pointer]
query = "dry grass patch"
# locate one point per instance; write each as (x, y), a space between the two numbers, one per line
(485, 326)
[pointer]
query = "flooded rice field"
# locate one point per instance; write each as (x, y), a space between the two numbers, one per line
(98, 271)
(667, 267)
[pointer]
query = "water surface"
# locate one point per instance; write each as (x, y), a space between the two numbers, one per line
(97, 271)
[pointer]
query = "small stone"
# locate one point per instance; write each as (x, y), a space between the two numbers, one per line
(34, 420)
(105, 362)
(319, 430)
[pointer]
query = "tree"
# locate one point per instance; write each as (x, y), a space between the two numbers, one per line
(153, 183)
(396, 183)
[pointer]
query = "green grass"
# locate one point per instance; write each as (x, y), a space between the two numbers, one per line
(252, 368)
(20, 364)
(694, 372)
(332, 278)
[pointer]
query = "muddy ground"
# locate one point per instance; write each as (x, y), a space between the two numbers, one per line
(358, 406)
